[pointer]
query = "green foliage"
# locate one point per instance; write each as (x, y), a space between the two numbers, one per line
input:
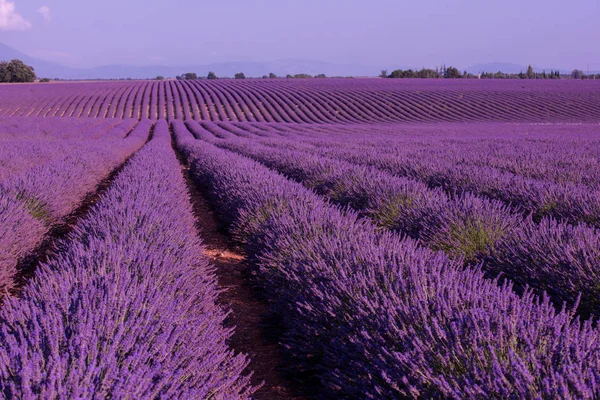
(467, 239)
(16, 71)
(452, 73)
(240, 75)
(4, 73)
(187, 76)
(44, 80)
(272, 75)
(577, 74)
(35, 207)
(389, 210)
(211, 75)
(321, 76)
(409, 73)
(160, 78)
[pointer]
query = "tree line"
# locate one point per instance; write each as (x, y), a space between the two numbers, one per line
(240, 75)
(16, 71)
(454, 73)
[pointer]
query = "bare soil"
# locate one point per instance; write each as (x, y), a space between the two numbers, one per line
(256, 330)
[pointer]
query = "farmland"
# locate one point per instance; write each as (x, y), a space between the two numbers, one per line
(273, 238)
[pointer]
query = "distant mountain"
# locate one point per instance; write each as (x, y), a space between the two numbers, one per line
(513, 68)
(224, 69)
(47, 69)
(228, 69)
(8, 53)
(508, 68)
(42, 68)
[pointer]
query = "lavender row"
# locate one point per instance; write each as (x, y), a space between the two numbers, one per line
(36, 152)
(46, 128)
(572, 158)
(35, 200)
(536, 152)
(377, 316)
(128, 307)
(555, 257)
(565, 201)
(348, 101)
(557, 152)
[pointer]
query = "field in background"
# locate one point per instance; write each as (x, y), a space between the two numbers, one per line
(311, 100)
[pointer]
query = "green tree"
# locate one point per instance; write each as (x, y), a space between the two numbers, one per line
(383, 73)
(4, 72)
(452, 73)
(530, 73)
(321, 76)
(399, 73)
(272, 75)
(577, 74)
(187, 76)
(211, 75)
(160, 78)
(16, 71)
(427, 73)
(240, 75)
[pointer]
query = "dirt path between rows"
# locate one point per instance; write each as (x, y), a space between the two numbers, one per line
(255, 332)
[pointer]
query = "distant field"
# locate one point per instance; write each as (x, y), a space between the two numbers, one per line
(311, 100)
(323, 238)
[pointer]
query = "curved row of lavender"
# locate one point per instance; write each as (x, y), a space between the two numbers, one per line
(377, 316)
(127, 308)
(311, 101)
(48, 129)
(27, 144)
(433, 163)
(43, 194)
(557, 152)
(556, 257)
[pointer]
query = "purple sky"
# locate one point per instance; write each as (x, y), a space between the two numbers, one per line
(82, 33)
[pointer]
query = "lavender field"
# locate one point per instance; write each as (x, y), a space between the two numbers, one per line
(296, 239)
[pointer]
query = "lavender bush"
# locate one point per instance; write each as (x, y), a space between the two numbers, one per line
(127, 308)
(379, 317)
(464, 226)
(46, 193)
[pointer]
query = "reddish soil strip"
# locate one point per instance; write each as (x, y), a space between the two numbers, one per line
(255, 332)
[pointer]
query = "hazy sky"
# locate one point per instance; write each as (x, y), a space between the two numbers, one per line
(386, 33)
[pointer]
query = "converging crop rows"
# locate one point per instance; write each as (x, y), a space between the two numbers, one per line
(409, 240)
(342, 101)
